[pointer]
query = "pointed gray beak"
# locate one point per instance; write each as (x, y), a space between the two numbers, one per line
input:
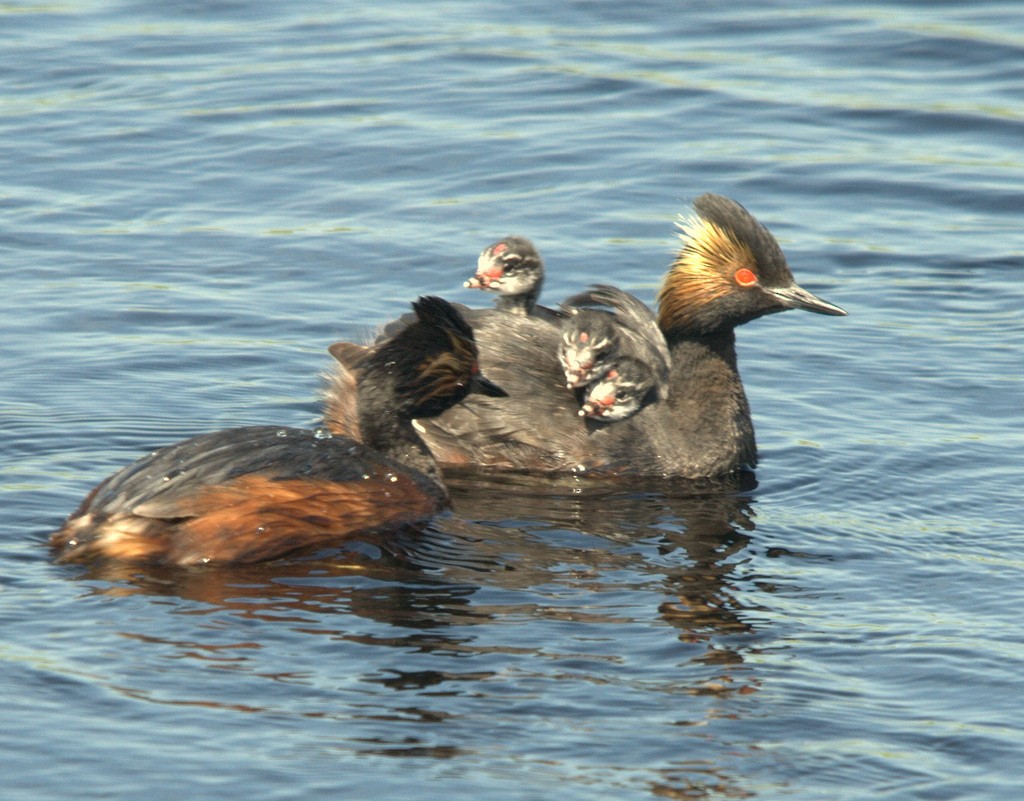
(794, 297)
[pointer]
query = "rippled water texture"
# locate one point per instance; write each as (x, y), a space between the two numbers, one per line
(197, 198)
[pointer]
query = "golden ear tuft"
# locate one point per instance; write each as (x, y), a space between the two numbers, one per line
(702, 272)
(709, 247)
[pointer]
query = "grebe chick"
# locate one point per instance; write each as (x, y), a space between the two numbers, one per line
(588, 345)
(593, 339)
(621, 392)
(262, 492)
(512, 267)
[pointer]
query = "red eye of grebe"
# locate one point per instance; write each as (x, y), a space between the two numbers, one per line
(745, 277)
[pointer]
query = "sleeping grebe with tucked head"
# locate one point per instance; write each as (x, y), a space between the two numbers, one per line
(728, 271)
(262, 492)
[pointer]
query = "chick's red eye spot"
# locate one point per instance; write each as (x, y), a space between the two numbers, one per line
(613, 373)
(745, 277)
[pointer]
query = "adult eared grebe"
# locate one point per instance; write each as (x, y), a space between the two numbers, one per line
(261, 492)
(729, 271)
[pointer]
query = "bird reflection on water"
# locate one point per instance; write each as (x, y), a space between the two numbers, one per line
(514, 532)
(696, 530)
(456, 622)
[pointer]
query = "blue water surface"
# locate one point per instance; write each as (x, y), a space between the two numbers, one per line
(197, 198)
